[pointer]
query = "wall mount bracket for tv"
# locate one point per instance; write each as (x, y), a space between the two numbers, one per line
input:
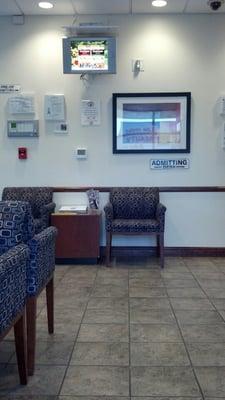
(91, 28)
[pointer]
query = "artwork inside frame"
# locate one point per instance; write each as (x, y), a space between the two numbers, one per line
(151, 122)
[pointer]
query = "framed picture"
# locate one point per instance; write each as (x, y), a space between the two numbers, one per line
(151, 122)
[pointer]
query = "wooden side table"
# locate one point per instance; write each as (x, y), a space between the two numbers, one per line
(78, 236)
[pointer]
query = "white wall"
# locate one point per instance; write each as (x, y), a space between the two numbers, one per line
(181, 53)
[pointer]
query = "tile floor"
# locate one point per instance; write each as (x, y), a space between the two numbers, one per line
(131, 331)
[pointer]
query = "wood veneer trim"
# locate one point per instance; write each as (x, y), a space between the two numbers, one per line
(168, 189)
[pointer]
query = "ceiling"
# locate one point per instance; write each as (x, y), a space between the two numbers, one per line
(98, 7)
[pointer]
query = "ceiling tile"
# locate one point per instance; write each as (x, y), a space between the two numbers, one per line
(102, 6)
(99, 7)
(61, 7)
(145, 6)
(9, 7)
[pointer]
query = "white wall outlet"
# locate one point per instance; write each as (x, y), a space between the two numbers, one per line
(81, 153)
(61, 127)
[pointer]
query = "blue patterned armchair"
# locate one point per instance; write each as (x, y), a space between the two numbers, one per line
(40, 200)
(135, 210)
(19, 224)
(13, 266)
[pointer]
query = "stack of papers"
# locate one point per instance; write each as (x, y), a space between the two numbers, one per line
(82, 209)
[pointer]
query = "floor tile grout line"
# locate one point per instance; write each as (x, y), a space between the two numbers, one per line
(208, 298)
(92, 397)
(103, 397)
(152, 366)
(55, 286)
(75, 341)
(201, 287)
(205, 293)
(38, 313)
(87, 301)
(199, 324)
(96, 396)
(188, 355)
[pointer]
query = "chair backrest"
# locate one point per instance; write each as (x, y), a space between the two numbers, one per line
(16, 224)
(36, 196)
(134, 202)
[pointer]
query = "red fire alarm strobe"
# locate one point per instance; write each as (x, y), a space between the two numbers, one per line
(22, 153)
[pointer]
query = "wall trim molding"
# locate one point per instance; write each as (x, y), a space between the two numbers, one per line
(144, 251)
(169, 189)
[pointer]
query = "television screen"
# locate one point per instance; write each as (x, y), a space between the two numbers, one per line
(89, 55)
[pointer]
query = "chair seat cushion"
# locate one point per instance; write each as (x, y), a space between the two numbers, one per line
(135, 225)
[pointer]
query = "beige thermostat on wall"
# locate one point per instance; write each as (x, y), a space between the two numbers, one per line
(81, 153)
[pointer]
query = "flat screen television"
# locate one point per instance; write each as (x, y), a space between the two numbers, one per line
(95, 55)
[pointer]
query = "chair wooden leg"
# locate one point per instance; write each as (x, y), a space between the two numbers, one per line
(50, 305)
(31, 333)
(108, 247)
(158, 246)
(21, 347)
(161, 246)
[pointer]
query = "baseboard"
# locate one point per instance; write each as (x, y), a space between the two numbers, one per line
(144, 251)
(72, 261)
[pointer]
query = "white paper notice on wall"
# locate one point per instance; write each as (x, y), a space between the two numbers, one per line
(21, 104)
(9, 88)
(90, 112)
(54, 107)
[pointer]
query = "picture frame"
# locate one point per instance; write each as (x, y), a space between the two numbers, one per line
(151, 122)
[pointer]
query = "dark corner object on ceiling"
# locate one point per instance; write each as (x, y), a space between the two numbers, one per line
(215, 5)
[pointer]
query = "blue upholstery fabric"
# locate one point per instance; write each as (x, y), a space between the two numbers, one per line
(40, 200)
(16, 224)
(38, 225)
(42, 260)
(16, 216)
(13, 266)
(134, 210)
